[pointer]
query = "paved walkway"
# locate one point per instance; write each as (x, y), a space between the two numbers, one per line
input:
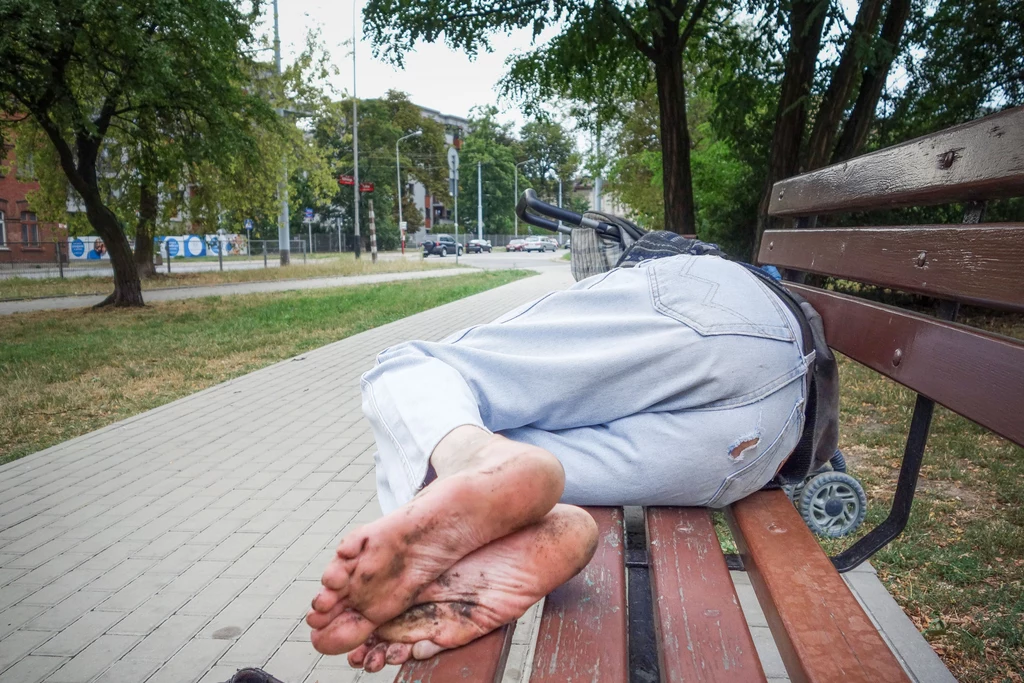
(176, 293)
(186, 542)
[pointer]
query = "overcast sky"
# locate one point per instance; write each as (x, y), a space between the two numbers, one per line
(434, 76)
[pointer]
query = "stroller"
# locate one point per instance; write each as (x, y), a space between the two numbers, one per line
(831, 501)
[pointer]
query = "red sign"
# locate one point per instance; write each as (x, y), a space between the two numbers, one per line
(366, 187)
(346, 180)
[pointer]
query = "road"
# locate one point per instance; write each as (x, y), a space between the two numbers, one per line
(503, 260)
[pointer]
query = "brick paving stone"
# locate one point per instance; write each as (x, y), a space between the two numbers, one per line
(150, 614)
(293, 661)
(232, 621)
(93, 660)
(258, 643)
(215, 596)
(128, 670)
(13, 618)
(19, 644)
(31, 669)
(76, 637)
(190, 662)
(67, 611)
(168, 638)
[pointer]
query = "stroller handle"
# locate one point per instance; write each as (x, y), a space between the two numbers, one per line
(529, 200)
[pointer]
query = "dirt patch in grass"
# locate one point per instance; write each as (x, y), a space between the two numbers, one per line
(65, 373)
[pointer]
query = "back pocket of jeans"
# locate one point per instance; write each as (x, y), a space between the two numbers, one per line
(714, 296)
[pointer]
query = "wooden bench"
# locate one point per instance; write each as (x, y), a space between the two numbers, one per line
(661, 605)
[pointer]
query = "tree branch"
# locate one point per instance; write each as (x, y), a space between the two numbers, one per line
(631, 33)
(691, 24)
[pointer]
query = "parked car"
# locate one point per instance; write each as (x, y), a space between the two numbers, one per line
(567, 245)
(542, 244)
(478, 246)
(442, 245)
(515, 245)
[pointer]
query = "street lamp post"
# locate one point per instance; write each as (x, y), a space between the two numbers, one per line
(355, 142)
(515, 199)
(283, 236)
(398, 173)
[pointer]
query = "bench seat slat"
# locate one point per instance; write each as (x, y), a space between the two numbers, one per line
(977, 264)
(973, 161)
(482, 661)
(821, 630)
(702, 633)
(582, 635)
(977, 375)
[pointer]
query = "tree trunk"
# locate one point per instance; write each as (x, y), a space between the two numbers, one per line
(855, 132)
(840, 87)
(677, 179)
(146, 228)
(807, 18)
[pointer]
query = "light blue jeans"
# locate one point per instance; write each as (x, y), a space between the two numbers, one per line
(678, 382)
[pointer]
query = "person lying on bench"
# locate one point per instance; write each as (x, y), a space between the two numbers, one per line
(682, 381)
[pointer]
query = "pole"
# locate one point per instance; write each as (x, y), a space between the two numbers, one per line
(515, 200)
(559, 205)
(456, 215)
(338, 219)
(309, 231)
(283, 237)
(220, 253)
(355, 139)
(479, 202)
(373, 234)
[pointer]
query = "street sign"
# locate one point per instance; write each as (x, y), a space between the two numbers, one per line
(403, 226)
(366, 187)
(346, 180)
(309, 214)
(453, 160)
(248, 224)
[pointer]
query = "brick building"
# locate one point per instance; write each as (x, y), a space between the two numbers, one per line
(23, 239)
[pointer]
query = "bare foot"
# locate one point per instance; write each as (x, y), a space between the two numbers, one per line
(380, 568)
(489, 588)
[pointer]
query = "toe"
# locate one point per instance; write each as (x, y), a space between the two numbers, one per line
(325, 600)
(398, 653)
(337, 575)
(345, 633)
(358, 656)
(374, 661)
(425, 649)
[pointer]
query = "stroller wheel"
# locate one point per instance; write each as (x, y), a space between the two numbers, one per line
(833, 504)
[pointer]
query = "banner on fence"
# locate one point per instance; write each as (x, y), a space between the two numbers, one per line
(194, 246)
(91, 248)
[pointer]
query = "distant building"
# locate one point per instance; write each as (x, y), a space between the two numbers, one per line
(23, 239)
(435, 212)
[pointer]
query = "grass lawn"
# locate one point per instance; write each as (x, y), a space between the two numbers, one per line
(65, 373)
(333, 266)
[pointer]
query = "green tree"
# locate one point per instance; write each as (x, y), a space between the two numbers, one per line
(552, 154)
(654, 32)
(381, 123)
(494, 146)
(79, 70)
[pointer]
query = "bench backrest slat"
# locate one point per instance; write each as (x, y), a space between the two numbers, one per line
(977, 375)
(582, 634)
(701, 631)
(822, 632)
(983, 159)
(975, 264)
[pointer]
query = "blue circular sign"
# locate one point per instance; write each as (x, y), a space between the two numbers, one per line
(77, 247)
(248, 224)
(172, 246)
(194, 246)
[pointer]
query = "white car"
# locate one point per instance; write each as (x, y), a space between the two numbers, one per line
(542, 244)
